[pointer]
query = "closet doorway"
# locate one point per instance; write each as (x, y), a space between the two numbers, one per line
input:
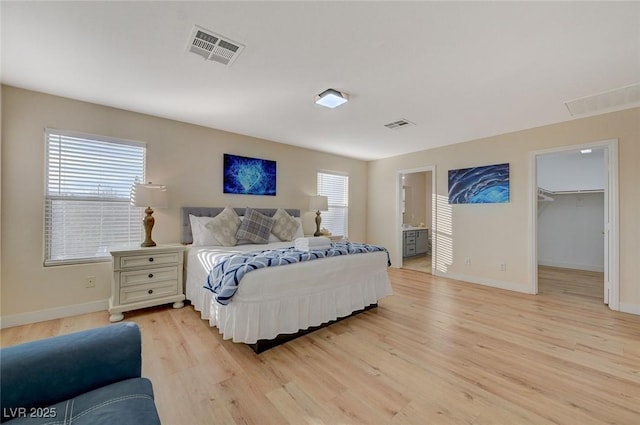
(416, 219)
(574, 223)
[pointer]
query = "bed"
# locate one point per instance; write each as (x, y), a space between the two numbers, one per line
(275, 304)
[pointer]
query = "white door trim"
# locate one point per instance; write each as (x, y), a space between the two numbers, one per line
(612, 264)
(434, 224)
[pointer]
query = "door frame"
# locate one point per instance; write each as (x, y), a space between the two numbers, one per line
(611, 257)
(434, 225)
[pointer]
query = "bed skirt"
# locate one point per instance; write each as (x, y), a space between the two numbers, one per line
(265, 344)
(250, 321)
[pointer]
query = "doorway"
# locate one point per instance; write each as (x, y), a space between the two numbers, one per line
(574, 212)
(416, 219)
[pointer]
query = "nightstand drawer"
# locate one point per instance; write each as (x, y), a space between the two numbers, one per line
(140, 277)
(146, 277)
(132, 294)
(149, 260)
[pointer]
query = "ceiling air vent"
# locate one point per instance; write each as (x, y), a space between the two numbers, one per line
(399, 124)
(212, 46)
(622, 98)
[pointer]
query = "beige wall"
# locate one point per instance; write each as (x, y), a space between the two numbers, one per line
(491, 234)
(187, 158)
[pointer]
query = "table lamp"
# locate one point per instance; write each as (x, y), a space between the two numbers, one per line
(318, 203)
(149, 195)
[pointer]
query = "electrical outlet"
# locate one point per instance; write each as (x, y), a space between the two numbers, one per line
(467, 261)
(90, 282)
(503, 267)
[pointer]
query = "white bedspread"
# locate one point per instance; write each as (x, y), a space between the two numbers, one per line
(286, 299)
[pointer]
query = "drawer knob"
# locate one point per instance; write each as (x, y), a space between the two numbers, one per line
(151, 259)
(150, 291)
(150, 275)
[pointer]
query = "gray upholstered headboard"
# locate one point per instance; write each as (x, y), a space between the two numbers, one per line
(187, 238)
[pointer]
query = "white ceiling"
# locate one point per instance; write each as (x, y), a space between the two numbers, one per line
(459, 71)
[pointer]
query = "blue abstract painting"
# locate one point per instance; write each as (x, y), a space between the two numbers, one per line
(249, 176)
(479, 185)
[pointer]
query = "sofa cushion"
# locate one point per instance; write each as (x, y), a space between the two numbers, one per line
(51, 370)
(128, 402)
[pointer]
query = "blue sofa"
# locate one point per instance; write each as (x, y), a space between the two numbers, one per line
(91, 377)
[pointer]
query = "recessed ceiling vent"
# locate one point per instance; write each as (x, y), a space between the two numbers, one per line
(622, 98)
(399, 124)
(212, 46)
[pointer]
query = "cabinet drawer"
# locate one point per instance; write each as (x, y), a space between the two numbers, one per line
(411, 240)
(410, 233)
(140, 277)
(148, 260)
(132, 294)
(411, 250)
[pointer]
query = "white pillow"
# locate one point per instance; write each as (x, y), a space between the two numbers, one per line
(300, 231)
(202, 236)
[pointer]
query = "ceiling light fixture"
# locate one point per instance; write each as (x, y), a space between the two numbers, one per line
(585, 151)
(331, 98)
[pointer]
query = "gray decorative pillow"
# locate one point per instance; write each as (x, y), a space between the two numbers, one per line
(224, 227)
(284, 226)
(255, 227)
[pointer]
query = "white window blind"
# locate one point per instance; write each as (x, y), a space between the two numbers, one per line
(336, 188)
(88, 183)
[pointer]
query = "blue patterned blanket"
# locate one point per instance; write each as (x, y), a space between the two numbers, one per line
(224, 278)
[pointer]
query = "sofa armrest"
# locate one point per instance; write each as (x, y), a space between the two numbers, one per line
(44, 372)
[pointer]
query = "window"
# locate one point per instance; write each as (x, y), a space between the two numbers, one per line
(336, 188)
(88, 180)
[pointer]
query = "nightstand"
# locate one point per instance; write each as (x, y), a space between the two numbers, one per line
(145, 277)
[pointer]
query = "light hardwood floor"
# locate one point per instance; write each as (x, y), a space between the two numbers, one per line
(421, 263)
(578, 285)
(436, 352)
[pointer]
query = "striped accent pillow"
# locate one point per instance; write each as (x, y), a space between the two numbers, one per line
(255, 227)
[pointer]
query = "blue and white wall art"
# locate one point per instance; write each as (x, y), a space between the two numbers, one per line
(479, 185)
(249, 176)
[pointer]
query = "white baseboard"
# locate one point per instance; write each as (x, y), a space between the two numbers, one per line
(53, 313)
(629, 308)
(574, 266)
(510, 286)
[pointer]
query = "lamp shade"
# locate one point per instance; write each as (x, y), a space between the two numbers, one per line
(319, 203)
(149, 195)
